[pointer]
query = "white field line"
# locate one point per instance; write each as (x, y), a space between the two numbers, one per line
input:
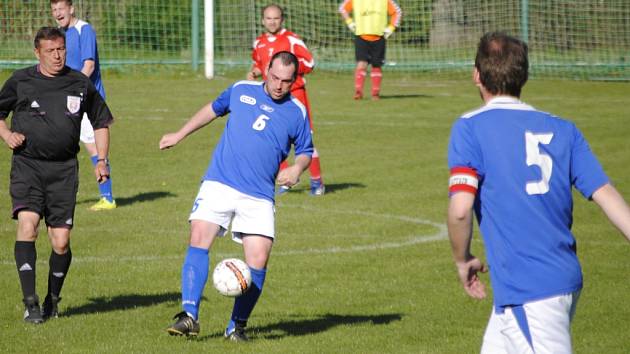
(440, 234)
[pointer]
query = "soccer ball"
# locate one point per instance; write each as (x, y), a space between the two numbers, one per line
(231, 277)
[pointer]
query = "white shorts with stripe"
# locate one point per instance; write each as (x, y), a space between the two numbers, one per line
(221, 205)
(542, 326)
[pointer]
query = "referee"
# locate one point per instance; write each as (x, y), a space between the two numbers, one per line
(48, 101)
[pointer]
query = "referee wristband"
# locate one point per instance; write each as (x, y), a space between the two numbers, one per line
(104, 160)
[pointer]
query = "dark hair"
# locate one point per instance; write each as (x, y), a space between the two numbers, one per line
(69, 2)
(502, 63)
(270, 6)
(287, 59)
(48, 33)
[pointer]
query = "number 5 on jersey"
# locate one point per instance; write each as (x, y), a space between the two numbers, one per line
(537, 158)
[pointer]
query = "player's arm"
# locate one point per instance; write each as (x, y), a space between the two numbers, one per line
(291, 175)
(615, 208)
(88, 67)
(304, 56)
(88, 50)
(462, 187)
(254, 72)
(256, 69)
(8, 99)
(11, 138)
(101, 138)
(344, 9)
(395, 15)
(203, 117)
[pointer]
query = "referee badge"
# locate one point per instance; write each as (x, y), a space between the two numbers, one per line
(73, 104)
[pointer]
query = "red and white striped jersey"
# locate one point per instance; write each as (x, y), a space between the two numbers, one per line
(266, 45)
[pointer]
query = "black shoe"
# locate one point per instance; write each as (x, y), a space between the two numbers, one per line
(33, 313)
(184, 326)
(238, 333)
(50, 310)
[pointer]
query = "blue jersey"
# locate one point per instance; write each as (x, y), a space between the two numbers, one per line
(81, 46)
(257, 138)
(527, 162)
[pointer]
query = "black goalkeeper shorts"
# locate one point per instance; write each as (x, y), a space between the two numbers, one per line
(371, 51)
(48, 188)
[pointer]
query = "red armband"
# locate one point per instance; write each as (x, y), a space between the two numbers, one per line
(463, 179)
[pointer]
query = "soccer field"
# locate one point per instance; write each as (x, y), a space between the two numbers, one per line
(364, 269)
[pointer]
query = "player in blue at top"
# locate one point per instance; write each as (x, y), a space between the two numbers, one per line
(82, 55)
(238, 186)
(516, 166)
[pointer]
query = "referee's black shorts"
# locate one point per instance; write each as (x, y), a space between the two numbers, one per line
(371, 51)
(48, 188)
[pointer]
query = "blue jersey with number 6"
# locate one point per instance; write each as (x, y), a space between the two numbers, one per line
(527, 162)
(257, 138)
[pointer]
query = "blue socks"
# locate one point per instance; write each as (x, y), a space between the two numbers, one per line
(194, 277)
(244, 304)
(105, 188)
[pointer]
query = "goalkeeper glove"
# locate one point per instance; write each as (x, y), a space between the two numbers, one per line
(388, 31)
(351, 25)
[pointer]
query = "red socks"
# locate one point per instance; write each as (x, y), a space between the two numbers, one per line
(376, 75)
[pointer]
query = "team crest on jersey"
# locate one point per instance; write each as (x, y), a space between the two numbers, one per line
(73, 104)
(247, 99)
(266, 108)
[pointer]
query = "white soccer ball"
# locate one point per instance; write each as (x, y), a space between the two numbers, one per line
(231, 277)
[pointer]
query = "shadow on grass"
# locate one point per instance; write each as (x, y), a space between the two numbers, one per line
(120, 302)
(412, 95)
(138, 198)
(315, 325)
(330, 187)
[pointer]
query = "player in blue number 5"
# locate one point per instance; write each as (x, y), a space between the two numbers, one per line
(239, 185)
(515, 167)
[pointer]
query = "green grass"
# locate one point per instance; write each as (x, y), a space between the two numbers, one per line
(355, 271)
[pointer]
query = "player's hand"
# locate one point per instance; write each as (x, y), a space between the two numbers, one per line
(289, 177)
(15, 140)
(169, 140)
(351, 25)
(250, 76)
(101, 171)
(387, 32)
(468, 275)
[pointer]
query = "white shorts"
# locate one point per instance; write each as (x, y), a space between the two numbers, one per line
(220, 204)
(87, 132)
(547, 323)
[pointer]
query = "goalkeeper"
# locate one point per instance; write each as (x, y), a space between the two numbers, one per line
(370, 26)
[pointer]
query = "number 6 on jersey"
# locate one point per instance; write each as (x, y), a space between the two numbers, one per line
(260, 122)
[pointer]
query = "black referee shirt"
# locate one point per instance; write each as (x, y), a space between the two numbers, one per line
(48, 111)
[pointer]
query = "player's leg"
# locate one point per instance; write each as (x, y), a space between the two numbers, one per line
(61, 191)
(209, 218)
(362, 59)
(59, 264)
(26, 261)
(377, 54)
(549, 323)
(315, 169)
(257, 249)
(504, 335)
(253, 225)
(27, 196)
(106, 200)
(542, 326)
